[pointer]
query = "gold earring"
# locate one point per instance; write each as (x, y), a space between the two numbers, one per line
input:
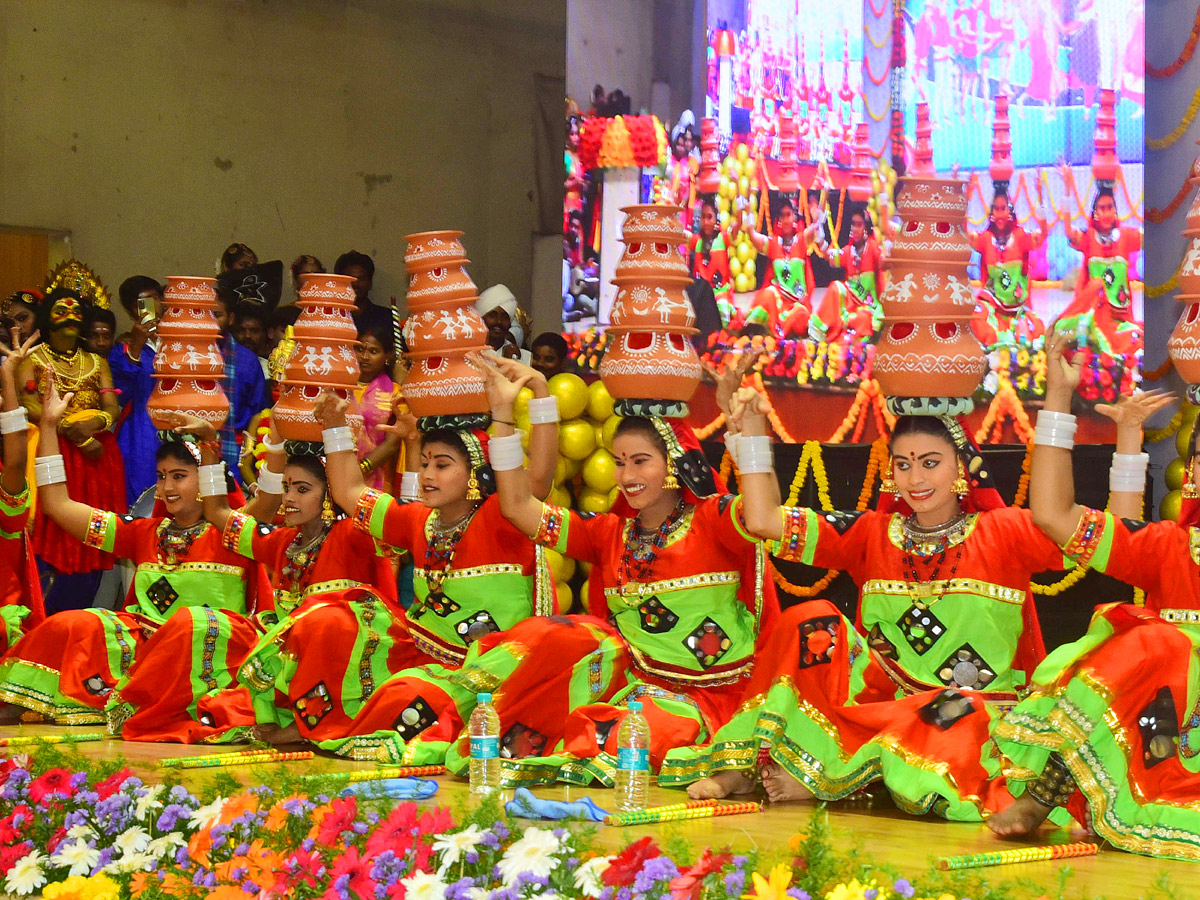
(670, 483)
(1189, 490)
(327, 509)
(473, 487)
(887, 484)
(960, 486)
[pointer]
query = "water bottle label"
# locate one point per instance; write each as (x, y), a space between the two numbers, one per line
(485, 748)
(631, 760)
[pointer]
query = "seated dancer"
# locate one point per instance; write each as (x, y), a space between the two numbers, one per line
(1102, 311)
(852, 305)
(950, 636)
(20, 590)
(675, 573)
(1111, 718)
(1004, 314)
(67, 667)
(476, 575)
(336, 629)
(783, 303)
(708, 257)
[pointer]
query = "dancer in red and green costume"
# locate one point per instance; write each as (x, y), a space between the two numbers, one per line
(1114, 718)
(20, 591)
(475, 575)
(678, 595)
(852, 305)
(945, 637)
(1004, 316)
(709, 254)
(68, 668)
(783, 305)
(1102, 310)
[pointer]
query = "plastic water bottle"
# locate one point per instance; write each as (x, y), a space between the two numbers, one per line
(633, 760)
(484, 730)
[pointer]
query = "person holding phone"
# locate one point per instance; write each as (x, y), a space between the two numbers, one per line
(132, 364)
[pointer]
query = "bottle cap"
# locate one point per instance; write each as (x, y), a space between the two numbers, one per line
(635, 705)
(483, 698)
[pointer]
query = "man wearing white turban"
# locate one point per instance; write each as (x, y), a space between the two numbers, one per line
(498, 307)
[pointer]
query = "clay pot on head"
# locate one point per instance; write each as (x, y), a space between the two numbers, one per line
(928, 289)
(444, 329)
(432, 248)
(445, 385)
(201, 397)
(293, 411)
(932, 200)
(924, 357)
(187, 322)
(322, 362)
(1193, 213)
(190, 358)
(652, 304)
(651, 222)
(441, 285)
(920, 241)
(651, 260)
(650, 365)
(1184, 344)
(190, 290)
(319, 321)
(321, 288)
(1189, 271)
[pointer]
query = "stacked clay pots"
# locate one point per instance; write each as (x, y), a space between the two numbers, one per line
(1001, 168)
(1184, 344)
(649, 355)
(442, 328)
(188, 366)
(927, 359)
(787, 179)
(1105, 164)
(323, 359)
(861, 165)
(710, 158)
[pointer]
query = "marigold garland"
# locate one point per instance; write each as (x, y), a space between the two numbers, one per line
(1154, 435)
(1157, 290)
(1159, 216)
(876, 117)
(1184, 55)
(1181, 129)
(1023, 485)
(1159, 373)
(878, 45)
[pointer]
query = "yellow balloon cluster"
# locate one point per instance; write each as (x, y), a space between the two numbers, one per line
(738, 187)
(1177, 469)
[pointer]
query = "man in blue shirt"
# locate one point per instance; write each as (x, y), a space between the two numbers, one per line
(244, 383)
(132, 364)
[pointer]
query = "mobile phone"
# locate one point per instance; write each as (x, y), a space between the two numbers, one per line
(144, 310)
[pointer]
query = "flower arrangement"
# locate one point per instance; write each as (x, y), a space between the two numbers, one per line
(622, 141)
(70, 832)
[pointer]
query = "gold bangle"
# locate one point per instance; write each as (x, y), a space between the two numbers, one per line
(88, 443)
(367, 466)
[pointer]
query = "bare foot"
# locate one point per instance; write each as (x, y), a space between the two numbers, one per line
(10, 715)
(276, 735)
(1020, 819)
(723, 784)
(781, 786)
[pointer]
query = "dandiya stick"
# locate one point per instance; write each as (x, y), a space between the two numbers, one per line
(376, 774)
(653, 810)
(221, 760)
(30, 740)
(649, 817)
(1018, 855)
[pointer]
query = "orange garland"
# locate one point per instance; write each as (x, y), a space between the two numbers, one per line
(1005, 405)
(1023, 484)
(1159, 216)
(1159, 373)
(1184, 55)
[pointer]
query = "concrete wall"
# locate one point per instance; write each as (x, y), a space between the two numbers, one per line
(611, 43)
(158, 131)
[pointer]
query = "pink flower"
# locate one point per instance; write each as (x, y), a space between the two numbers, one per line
(629, 862)
(358, 877)
(13, 826)
(302, 868)
(54, 784)
(112, 783)
(395, 832)
(341, 816)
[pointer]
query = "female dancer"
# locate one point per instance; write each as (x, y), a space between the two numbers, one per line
(1102, 310)
(475, 575)
(708, 252)
(782, 305)
(951, 633)
(1112, 717)
(67, 668)
(20, 590)
(853, 304)
(674, 572)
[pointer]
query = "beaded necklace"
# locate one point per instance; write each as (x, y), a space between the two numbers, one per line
(439, 553)
(175, 542)
(641, 550)
(928, 543)
(302, 557)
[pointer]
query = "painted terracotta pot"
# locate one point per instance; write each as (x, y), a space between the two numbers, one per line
(651, 259)
(930, 289)
(293, 411)
(318, 322)
(444, 385)
(189, 358)
(930, 199)
(928, 357)
(444, 329)
(190, 290)
(200, 397)
(440, 285)
(323, 362)
(653, 222)
(652, 304)
(650, 365)
(1189, 272)
(432, 248)
(1184, 344)
(179, 322)
(326, 290)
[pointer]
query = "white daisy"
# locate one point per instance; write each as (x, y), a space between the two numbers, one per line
(148, 803)
(424, 886)
(78, 855)
(132, 840)
(533, 853)
(26, 876)
(204, 816)
(455, 847)
(164, 847)
(587, 876)
(81, 831)
(133, 862)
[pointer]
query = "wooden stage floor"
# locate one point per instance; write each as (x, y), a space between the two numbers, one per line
(885, 834)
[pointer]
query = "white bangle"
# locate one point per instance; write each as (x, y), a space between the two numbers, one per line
(270, 482)
(506, 453)
(49, 470)
(410, 488)
(274, 448)
(338, 439)
(1050, 437)
(13, 420)
(1050, 417)
(1130, 462)
(212, 480)
(755, 455)
(1128, 472)
(732, 442)
(543, 410)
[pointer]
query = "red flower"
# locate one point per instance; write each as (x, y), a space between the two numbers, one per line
(55, 784)
(690, 882)
(394, 833)
(341, 816)
(360, 883)
(302, 868)
(55, 840)
(112, 783)
(629, 862)
(12, 854)
(10, 829)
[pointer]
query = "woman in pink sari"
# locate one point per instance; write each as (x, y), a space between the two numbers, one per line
(378, 447)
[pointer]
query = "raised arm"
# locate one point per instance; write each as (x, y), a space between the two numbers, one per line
(760, 488)
(12, 420)
(543, 418)
(341, 462)
(1052, 481)
(517, 500)
(1127, 477)
(72, 515)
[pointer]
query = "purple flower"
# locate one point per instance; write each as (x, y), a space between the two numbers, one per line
(251, 888)
(307, 845)
(501, 830)
(219, 834)
(735, 882)
(78, 780)
(739, 862)
(171, 815)
(239, 873)
(296, 807)
(361, 827)
(181, 856)
(490, 841)
(903, 888)
(871, 893)
(241, 849)
(75, 817)
(573, 862)
(458, 890)
(655, 870)
(180, 794)
(624, 894)
(797, 894)
(106, 857)
(472, 857)
(606, 894)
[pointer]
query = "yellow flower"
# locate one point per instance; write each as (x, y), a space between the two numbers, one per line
(773, 887)
(855, 891)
